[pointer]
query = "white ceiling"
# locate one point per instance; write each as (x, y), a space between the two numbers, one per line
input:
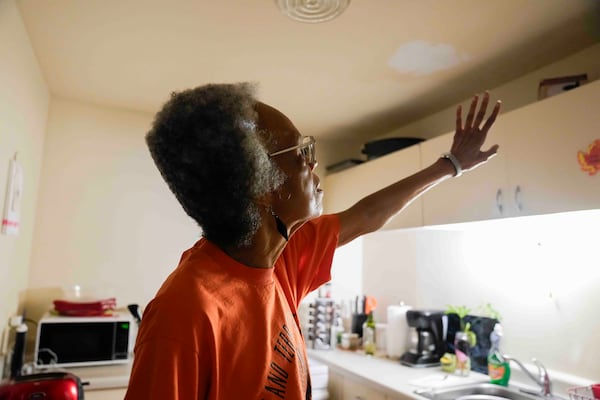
(331, 79)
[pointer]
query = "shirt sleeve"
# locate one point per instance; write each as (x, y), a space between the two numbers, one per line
(309, 254)
(165, 370)
(169, 362)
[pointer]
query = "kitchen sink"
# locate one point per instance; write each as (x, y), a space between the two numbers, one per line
(476, 391)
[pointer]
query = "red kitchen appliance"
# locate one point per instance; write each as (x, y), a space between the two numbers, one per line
(46, 386)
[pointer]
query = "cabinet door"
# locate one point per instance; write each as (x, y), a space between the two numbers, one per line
(344, 188)
(335, 386)
(356, 391)
(544, 141)
(476, 195)
(106, 394)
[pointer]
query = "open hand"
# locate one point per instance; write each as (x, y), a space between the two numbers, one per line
(469, 137)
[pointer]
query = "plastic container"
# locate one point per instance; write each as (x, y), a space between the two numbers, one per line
(350, 341)
(591, 392)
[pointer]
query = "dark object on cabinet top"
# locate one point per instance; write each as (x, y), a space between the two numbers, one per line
(342, 165)
(381, 147)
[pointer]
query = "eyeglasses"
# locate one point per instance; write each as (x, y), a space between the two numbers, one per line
(307, 149)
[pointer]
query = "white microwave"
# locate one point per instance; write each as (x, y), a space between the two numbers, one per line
(84, 341)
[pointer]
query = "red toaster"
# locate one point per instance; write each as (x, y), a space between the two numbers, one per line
(44, 386)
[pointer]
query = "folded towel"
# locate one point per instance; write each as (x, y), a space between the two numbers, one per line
(103, 307)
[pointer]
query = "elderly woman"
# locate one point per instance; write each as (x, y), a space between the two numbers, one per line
(224, 324)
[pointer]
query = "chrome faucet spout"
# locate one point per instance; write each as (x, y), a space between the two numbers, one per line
(542, 380)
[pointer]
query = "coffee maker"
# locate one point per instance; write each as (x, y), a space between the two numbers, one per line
(428, 342)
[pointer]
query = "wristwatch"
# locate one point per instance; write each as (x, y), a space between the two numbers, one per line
(454, 162)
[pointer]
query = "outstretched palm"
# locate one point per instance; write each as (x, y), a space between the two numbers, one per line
(469, 137)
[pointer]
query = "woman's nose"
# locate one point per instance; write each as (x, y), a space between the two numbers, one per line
(313, 165)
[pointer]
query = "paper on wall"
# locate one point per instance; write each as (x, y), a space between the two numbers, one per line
(12, 201)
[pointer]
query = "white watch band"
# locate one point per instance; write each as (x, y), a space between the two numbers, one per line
(454, 162)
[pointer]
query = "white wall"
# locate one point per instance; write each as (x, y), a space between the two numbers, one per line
(24, 101)
(541, 273)
(106, 219)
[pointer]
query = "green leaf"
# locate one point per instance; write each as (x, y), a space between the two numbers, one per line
(488, 311)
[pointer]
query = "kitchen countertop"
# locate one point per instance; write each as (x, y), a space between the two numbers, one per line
(395, 379)
(383, 374)
(389, 376)
(103, 377)
(386, 375)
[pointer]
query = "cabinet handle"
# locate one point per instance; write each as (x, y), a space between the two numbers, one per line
(499, 201)
(518, 201)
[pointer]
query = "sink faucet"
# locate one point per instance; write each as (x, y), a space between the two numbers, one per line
(543, 380)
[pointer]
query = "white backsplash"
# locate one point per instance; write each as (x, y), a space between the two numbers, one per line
(541, 273)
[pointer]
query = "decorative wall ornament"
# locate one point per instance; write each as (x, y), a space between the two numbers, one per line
(12, 202)
(590, 160)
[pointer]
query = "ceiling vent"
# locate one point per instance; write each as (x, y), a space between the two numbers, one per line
(312, 11)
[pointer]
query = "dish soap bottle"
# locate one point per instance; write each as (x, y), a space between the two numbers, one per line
(498, 366)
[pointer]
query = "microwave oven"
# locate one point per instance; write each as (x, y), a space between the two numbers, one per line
(84, 341)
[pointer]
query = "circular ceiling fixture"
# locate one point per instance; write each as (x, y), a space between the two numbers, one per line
(312, 10)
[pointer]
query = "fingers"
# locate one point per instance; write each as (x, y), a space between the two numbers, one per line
(458, 118)
(471, 114)
(482, 110)
(492, 118)
(491, 152)
(474, 121)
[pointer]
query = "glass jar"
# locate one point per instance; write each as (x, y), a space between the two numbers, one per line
(462, 350)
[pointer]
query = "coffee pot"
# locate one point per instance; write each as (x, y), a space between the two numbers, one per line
(428, 341)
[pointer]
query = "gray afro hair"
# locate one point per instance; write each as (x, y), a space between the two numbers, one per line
(206, 146)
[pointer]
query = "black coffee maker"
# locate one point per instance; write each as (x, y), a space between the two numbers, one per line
(428, 342)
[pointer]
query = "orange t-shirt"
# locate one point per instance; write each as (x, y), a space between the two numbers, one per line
(218, 329)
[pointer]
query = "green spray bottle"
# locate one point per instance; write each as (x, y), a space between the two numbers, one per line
(498, 366)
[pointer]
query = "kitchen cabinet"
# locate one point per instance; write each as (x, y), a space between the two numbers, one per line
(543, 144)
(344, 188)
(335, 385)
(343, 387)
(477, 195)
(105, 394)
(536, 170)
(357, 391)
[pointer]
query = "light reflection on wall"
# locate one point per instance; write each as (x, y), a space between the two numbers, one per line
(542, 273)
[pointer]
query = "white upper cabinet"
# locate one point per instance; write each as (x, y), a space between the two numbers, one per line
(477, 195)
(543, 144)
(537, 169)
(344, 188)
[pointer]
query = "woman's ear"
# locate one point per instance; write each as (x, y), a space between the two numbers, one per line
(265, 200)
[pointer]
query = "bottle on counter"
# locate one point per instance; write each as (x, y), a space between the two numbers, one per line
(462, 350)
(337, 329)
(498, 366)
(369, 345)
